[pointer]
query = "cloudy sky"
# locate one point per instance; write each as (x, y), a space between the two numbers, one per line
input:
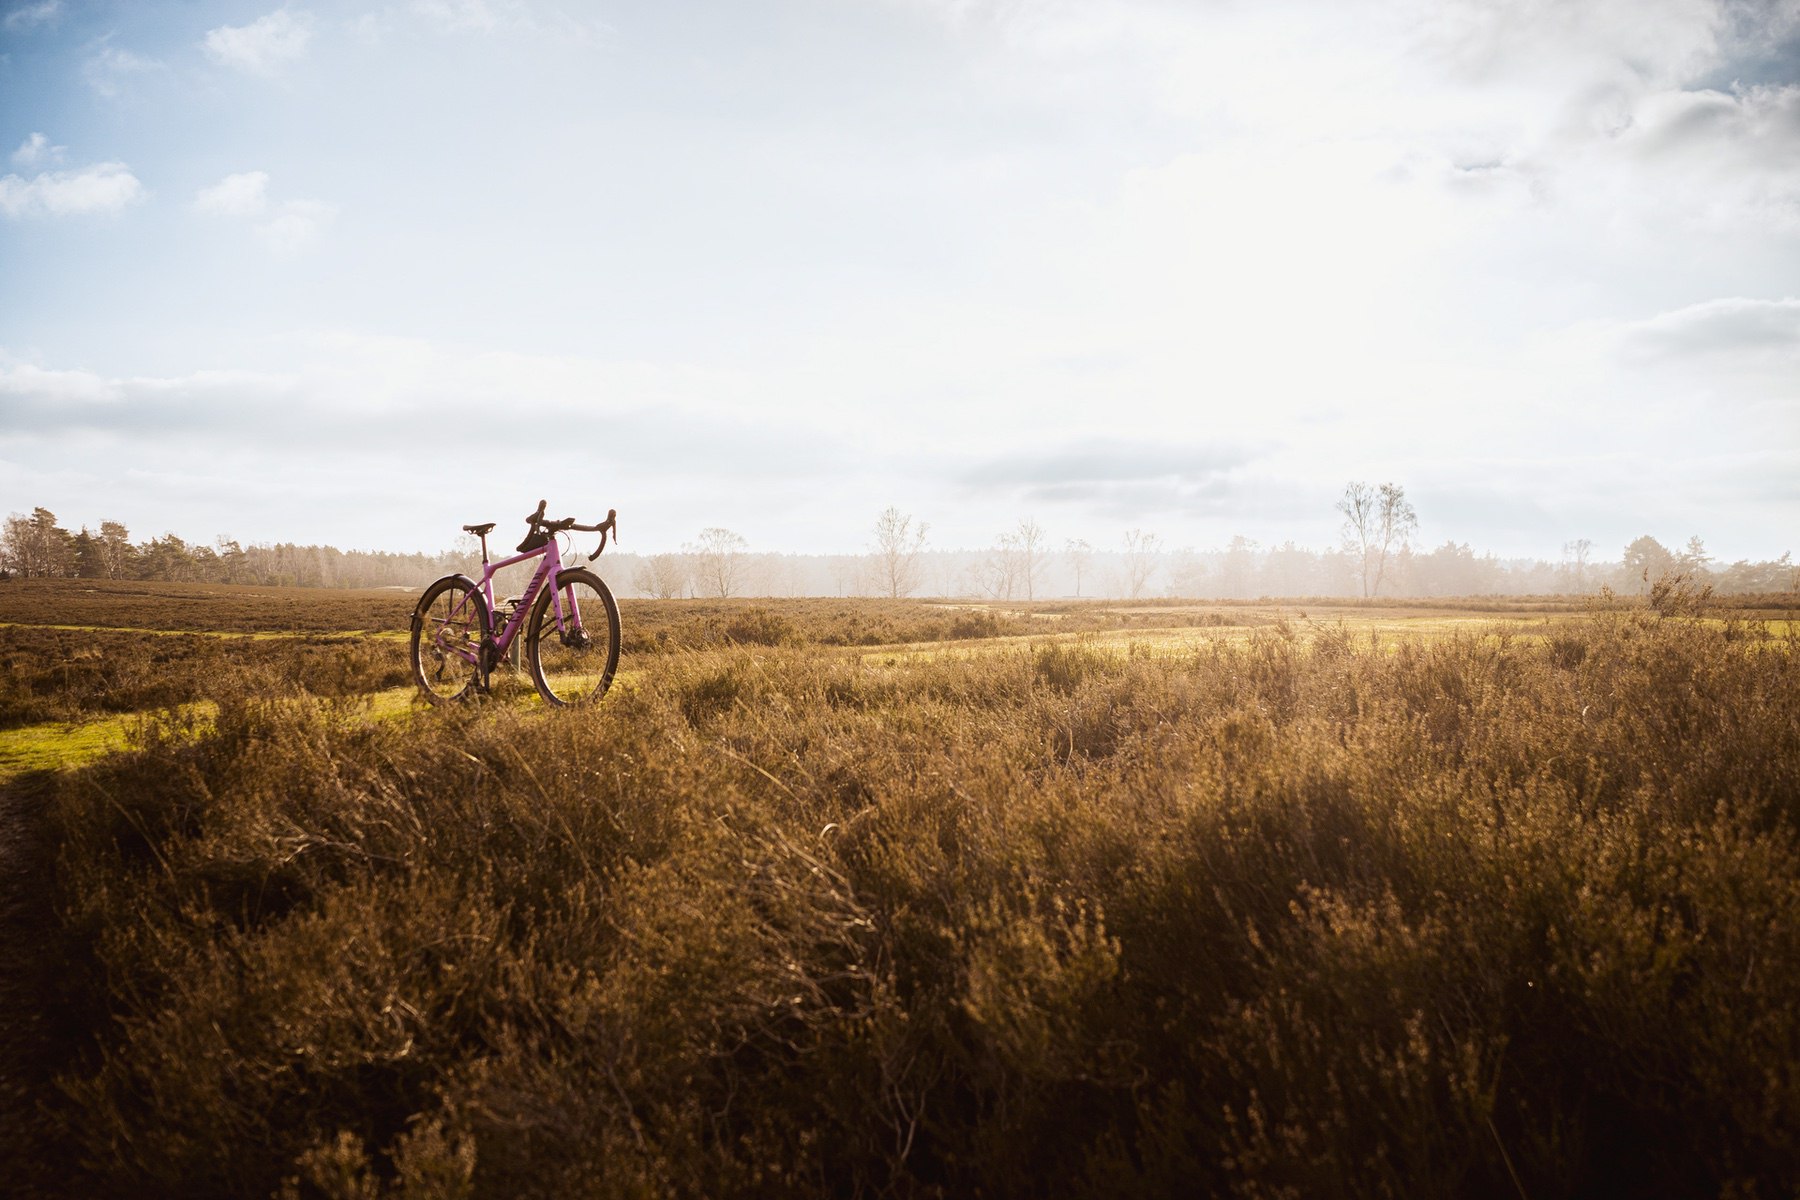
(358, 273)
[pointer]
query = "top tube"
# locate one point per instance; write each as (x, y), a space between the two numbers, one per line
(490, 568)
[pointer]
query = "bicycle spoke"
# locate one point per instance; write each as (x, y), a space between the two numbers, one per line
(446, 640)
(573, 654)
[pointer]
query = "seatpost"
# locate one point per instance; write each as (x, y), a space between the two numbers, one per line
(484, 554)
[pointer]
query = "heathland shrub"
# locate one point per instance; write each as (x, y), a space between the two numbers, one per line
(761, 627)
(1278, 918)
(49, 674)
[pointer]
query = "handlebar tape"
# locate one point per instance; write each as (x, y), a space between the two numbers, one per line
(610, 525)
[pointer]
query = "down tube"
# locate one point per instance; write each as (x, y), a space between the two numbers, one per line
(546, 571)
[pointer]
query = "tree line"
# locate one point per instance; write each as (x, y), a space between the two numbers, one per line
(1376, 556)
(35, 546)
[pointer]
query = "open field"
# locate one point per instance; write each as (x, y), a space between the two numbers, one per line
(81, 667)
(901, 898)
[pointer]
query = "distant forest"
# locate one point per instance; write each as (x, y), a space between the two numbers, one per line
(1024, 564)
(35, 546)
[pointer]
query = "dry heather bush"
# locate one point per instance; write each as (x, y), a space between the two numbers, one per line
(1276, 919)
(653, 626)
(67, 675)
(213, 607)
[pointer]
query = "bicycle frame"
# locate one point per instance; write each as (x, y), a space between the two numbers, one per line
(570, 642)
(548, 571)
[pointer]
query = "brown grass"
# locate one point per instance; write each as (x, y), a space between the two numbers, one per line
(49, 674)
(1272, 918)
(199, 607)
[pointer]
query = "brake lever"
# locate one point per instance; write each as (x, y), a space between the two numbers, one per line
(610, 525)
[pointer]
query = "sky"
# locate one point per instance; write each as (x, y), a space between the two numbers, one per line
(360, 273)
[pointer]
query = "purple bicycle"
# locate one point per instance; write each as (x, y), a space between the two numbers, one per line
(566, 616)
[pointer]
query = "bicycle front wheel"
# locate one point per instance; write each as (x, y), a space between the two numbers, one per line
(447, 630)
(573, 660)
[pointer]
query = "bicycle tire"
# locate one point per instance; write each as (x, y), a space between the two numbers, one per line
(565, 670)
(449, 621)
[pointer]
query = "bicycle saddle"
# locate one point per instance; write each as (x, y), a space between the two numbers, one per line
(480, 530)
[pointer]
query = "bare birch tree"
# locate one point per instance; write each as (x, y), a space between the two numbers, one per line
(1377, 522)
(898, 542)
(718, 559)
(1080, 555)
(1142, 553)
(997, 575)
(1014, 564)
(1028, 546)
(1575, 556)
(661, 576)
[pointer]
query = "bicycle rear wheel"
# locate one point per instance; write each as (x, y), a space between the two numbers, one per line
(447, 630)
(574, 664)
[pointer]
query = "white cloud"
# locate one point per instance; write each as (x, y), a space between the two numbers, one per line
(112, 70)
(286, 227)
(23, 381)
(265, 45)
(1722, 159)
(476, 16)
(36, 151)
(1730, 325)
(294, 225)
(643, 430)
(107, 187)
(1523, 83)
(1656, 41)
(493, 16)
(30, 16)
(1716, 378)
(242, 195)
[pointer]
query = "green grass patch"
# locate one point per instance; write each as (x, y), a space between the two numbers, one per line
(60, 745)
(56, 745)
